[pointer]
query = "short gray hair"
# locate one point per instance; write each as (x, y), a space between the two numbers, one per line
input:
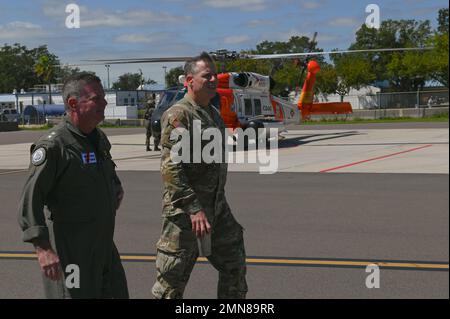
(75, 83)
(190, 67)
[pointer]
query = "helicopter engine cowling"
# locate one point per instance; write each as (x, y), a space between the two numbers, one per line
(249, 80)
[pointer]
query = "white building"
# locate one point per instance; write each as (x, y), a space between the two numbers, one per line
(7, 101)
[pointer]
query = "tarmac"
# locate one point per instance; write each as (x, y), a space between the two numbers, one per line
(342, 197)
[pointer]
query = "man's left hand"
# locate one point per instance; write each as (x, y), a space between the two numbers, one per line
(200, 224)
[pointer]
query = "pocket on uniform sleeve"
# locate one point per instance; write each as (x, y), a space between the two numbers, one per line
(177, 235)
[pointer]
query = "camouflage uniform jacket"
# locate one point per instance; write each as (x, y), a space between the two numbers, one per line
(190, 187)
(148, 113)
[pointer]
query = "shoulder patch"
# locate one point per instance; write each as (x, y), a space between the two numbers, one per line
(39, 156)
(176, 116)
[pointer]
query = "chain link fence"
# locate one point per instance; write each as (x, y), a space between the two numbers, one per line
(399, 100)
(370, 105)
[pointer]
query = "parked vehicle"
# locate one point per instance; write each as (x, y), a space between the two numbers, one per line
(10, 115)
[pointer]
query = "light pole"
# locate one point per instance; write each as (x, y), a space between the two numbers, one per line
(107, 69)
(165, 74)
(17, 99)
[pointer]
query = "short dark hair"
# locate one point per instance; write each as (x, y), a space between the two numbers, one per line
(75, 83)
(190, 67)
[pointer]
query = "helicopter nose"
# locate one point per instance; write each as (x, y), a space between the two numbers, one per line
(156, 125)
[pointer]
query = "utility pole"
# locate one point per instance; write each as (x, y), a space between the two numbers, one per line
(165, 74)
(107, 69)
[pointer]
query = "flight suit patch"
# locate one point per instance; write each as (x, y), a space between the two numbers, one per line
(39, 156)
(88, 158)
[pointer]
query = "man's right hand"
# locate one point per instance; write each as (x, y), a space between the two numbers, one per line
(200, 224)
(48, 260)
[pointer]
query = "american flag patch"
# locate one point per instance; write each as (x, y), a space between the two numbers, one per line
(88, 158)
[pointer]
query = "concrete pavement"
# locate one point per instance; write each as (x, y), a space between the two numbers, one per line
(342, 196)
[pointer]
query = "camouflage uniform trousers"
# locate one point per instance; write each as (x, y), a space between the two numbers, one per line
(148, 133)
(177, 252)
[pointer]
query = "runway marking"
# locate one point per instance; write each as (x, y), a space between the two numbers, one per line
(13, 172)
(374, 159)
(271, 261)
(380, 144)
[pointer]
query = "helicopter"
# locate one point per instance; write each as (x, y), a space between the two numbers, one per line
(244, 99)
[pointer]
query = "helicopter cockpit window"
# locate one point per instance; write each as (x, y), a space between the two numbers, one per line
(248, 107)
(180, 95)
(169, 97)
(257, 107)
(166, 97)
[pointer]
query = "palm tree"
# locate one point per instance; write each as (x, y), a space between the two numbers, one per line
(45, 69)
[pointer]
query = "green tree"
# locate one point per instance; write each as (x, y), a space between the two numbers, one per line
(394, 34)
(131, 81)
(438, 57)
(408, 71)
(326, 80)
(45, 69)
(353, 71)
(295, 44)
(63, 72)
(443, 21)
(247, 65)
(287, 78)
(172, 76)
(18, 67)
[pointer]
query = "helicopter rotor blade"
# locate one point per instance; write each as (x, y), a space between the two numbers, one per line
(138, 60)
(223, 54)
(296, 55)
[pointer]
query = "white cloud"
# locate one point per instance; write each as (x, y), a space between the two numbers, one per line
(236, 39)
(103, 18)
(311, 5)
(133, 38)
(244, 5)
(260, 22)
(345, 22)
(144, 38)
(425, 11)
(327, 38)
(20, 30)
(54, 8)
(282, 35)
(130, 18)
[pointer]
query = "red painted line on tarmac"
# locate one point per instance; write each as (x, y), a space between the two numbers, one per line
(374, 159)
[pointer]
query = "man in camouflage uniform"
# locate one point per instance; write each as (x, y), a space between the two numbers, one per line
(194, 200)
(148, 124)
(69, 202)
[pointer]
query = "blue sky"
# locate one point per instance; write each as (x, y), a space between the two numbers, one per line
(128, 29)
